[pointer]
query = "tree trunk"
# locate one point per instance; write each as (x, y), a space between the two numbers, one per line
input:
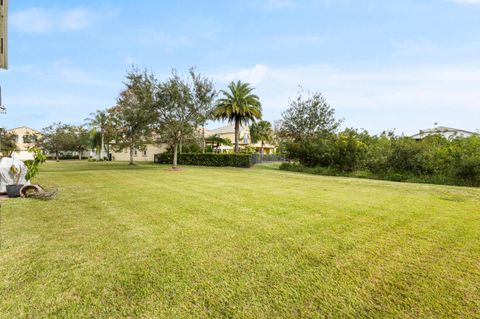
(131, 155)
(237, 134)
(174, 164)
(203, 139)
(102, 147)
(80, 154)
(56, 156)
(181, 146)
(262, 149)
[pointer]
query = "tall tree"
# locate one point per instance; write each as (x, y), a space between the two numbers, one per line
(134, 114)
(239, 106)
(261, 132)
(80, 139)
(177, 115)
(56, 138)
(203, 96)
(99, 121)
(308, 116)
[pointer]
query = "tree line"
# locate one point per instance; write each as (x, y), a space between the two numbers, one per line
(310, 138)
(173, 112)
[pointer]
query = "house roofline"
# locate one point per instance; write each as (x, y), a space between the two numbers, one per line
(441, 129)
(24, 126)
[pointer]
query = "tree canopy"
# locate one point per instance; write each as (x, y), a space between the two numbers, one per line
(261, 132)
(134, 114)
(308, 116)
(238, 105)
(178, 116)
(8, 143)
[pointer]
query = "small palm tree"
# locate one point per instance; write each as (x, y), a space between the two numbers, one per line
(261, 132)
(99, 120)
(217, 140)
(239, 105)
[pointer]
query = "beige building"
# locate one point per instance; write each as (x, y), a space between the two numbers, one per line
(25, 137)
(228, 132)
(146, 155)
(447, 132)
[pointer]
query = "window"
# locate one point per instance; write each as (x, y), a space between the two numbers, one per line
(145, 152)
(29, 139)
(135, 153)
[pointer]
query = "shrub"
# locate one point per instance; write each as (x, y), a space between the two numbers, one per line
(433, 159)
(208, 159)
(64, 157)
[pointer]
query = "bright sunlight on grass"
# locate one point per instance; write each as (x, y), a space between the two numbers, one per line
(146, 242)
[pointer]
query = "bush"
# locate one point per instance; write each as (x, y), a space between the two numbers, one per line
(433, 159)
(65, 157)
(231, 160)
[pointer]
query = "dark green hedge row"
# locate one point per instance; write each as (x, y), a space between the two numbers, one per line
(433, 159)
(64, 157)
(209, 159)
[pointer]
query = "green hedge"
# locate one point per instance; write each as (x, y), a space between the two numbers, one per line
(209, 159)
(393, 176)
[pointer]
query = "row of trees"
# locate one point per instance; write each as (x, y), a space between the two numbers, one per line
(174, 111)
(309, 135)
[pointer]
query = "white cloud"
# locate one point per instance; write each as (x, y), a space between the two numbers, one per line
(41, 20)
(253, 75)
(395, 91)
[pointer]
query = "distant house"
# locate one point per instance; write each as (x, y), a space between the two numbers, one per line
(25, 137)
(447, 132)
(146, 155)
(228, 132)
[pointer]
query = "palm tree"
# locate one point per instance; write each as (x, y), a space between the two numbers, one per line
(99, 120)
(217, 140)
(261, 132)
(239, 106)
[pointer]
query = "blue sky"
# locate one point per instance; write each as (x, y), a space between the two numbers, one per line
(382, 65)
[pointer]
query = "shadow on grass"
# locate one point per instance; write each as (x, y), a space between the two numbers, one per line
(268, 166)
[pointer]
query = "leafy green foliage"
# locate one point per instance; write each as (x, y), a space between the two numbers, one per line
(177, 115)
(216, 140)
(261, 132)
(232, 160)
(308, 117)
(8, 143)
(203, 95)
(239, 106)
(101, 132)
(433, 159)
(60, 137)
(132, 117)
(33, 165)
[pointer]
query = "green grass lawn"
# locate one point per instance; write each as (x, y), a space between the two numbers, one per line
(146, 242)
